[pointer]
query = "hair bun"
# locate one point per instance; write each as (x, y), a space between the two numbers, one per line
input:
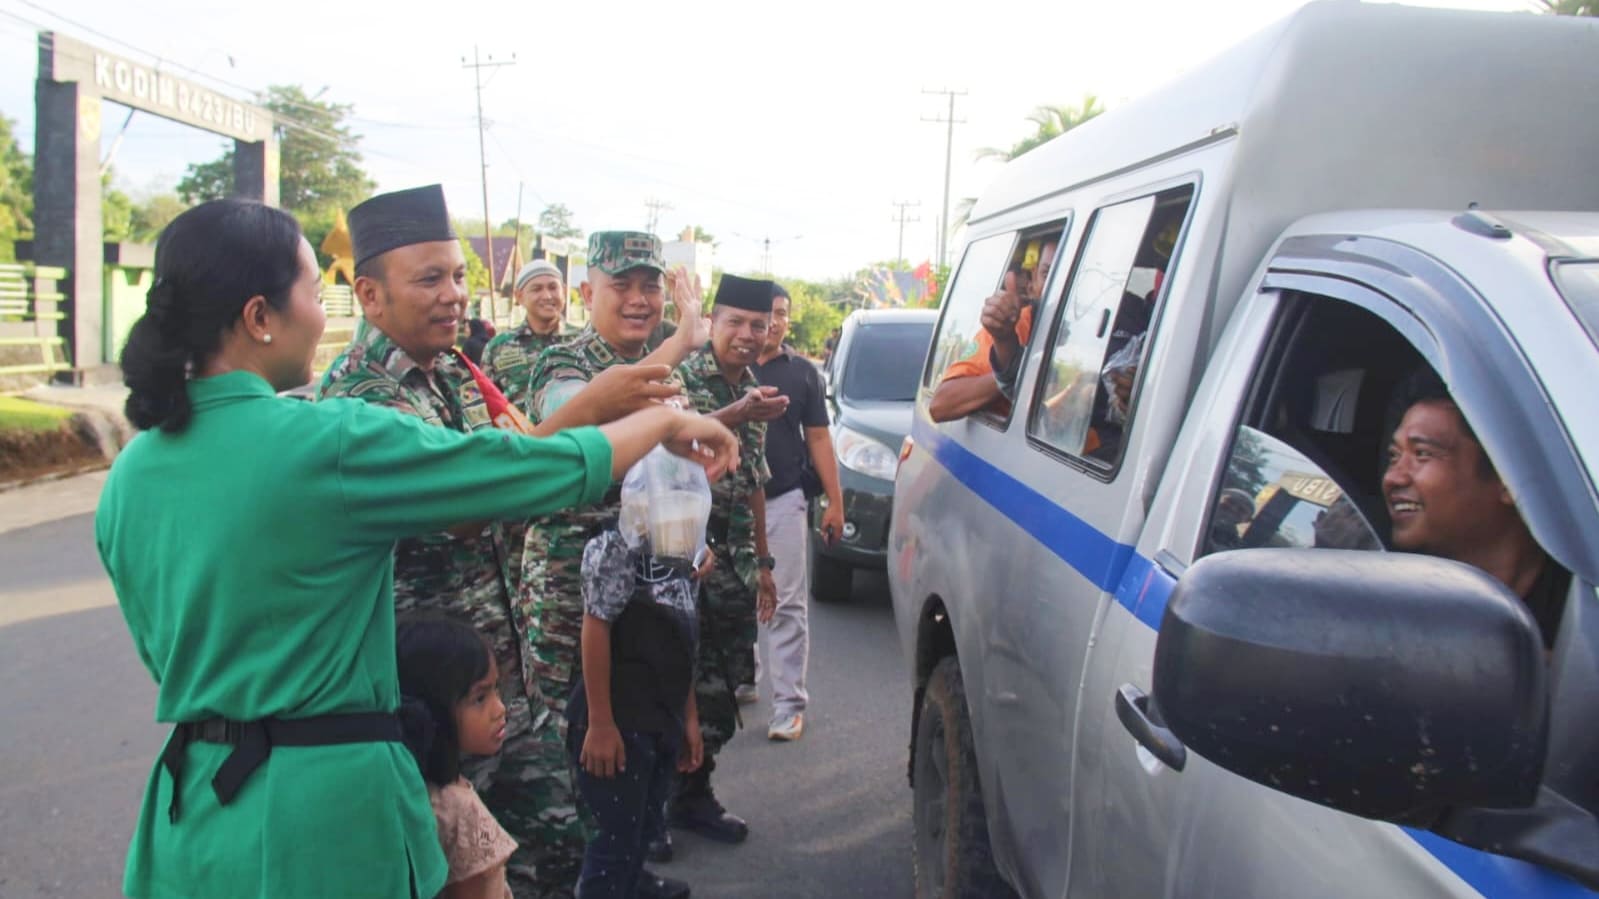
(160, 303)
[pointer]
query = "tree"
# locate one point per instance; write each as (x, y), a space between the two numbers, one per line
(16, 192)
(811, 317)
(116, 212)
(1569, 7)
(154, 214)
(556, 221)
(1049, 122)
(477, 274)
(703, 236)
(319, 165)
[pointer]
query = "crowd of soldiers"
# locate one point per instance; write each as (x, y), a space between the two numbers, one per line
(518, 582)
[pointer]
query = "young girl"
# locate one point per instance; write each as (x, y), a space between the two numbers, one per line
(447, 668)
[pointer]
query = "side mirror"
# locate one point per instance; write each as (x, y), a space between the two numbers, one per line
(1386, 685)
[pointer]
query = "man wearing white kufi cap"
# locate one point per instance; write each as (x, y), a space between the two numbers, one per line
(508, 358)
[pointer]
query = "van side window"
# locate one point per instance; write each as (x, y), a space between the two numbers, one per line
(1085, 401)
(979, 274)
(960, 371)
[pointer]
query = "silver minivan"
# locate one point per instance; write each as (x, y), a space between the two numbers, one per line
(1160, 641)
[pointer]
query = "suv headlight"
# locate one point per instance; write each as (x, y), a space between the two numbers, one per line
(862, 454)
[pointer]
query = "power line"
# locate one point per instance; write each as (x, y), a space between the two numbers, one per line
(477, 66)
(949, 147)
(902, 219)
(510, 159)
(656, 207)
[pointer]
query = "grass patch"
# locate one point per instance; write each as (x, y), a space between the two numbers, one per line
(17, 414)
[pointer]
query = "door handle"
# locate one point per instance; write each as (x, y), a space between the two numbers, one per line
(1132, 707)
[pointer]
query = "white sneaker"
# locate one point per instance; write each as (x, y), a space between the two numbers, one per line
(789, 728)
(746, 694)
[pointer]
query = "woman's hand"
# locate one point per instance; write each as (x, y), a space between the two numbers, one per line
(603, 754)
(706, 441)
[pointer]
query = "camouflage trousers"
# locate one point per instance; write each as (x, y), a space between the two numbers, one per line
(528, 787)
(726, 655)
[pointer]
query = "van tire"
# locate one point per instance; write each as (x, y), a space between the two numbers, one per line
(831, 580)
(950, 852)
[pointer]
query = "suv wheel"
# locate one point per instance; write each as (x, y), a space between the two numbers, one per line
(951, 854)
(831, 580)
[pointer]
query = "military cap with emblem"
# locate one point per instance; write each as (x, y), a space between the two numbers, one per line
(744, 293)
(399, 219)
(615, 252)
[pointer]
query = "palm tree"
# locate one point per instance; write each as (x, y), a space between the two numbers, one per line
(1569, 7)
(1049, 122)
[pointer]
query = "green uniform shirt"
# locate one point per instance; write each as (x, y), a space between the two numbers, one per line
(551, 590)
(508, 359)
(708, 388)
(252, 556)
(468, 578)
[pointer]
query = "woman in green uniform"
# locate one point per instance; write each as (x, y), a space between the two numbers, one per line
(250, 541)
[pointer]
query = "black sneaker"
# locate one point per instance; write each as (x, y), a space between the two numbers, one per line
(702, 814)
(654, 886)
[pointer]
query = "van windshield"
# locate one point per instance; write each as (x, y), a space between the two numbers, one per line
(885, 362)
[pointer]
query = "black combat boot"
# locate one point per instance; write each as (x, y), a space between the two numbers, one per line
(695, 809)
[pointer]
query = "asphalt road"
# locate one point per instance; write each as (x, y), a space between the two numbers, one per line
(829, 815)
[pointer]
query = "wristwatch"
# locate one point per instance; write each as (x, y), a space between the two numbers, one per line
(767, 562)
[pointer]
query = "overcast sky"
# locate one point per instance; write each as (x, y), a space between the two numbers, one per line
(803, 126)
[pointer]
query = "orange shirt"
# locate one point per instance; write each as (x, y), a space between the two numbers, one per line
(977, 363)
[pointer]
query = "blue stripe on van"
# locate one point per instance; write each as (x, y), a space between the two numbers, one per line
(1143, 588)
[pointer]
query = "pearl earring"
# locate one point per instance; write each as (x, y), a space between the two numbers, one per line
(267, 338)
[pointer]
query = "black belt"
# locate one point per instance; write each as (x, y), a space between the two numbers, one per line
(252, 742)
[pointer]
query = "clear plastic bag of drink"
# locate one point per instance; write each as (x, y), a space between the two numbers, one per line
(666, 502)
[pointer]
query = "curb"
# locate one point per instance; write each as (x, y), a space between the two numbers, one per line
(7, 486)
(97, 429)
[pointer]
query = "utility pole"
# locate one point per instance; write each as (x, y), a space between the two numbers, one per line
(516, 246)
(477, 66)
(901, 218)
(949, 149)
(655, 207)
(766, 248)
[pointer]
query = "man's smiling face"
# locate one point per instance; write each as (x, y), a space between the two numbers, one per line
(1442, 495)
(626, 307)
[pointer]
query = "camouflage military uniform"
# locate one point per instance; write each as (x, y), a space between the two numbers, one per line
(528, 785)
(550, 596)
(508, 359)
(727, 614)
